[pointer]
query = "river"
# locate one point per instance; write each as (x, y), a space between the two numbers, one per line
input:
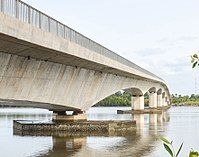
(180, 124)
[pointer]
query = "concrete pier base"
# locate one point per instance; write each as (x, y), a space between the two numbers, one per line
(70, 118)
(144, 111)
(74, 127)
(62, 116)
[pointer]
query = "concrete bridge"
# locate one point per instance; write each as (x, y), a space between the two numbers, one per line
(46, 64)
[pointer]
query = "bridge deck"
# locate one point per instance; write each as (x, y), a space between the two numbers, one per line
(30, 15)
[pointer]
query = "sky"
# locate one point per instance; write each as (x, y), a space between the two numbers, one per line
(158, 35)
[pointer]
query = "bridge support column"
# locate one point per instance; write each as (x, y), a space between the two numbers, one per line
(159, 100)
(153, 100)
(163, 102)
(76, 116)
(137, 102)
(168, 103)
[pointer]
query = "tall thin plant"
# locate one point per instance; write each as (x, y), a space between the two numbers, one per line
(170, 149)
(195, 60)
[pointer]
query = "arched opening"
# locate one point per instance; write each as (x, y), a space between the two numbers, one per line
(159, 98)
(163, 99)
(134, 91)
(137, 98)
(120, 98)
(166, 99)
(152, 90)
(163, 94)
(159, 91)
(146, 100)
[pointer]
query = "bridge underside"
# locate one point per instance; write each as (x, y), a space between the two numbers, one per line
(59, 87)
(23, 103)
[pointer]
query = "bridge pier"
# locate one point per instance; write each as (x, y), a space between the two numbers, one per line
(137, 102)
(63, 116)
(152, 100)
(159, 100)
(163, 101)
(166, 103)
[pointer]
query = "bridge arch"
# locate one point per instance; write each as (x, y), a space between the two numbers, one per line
(152, 90)
(163, 94)
(159, 91)
(135, 91)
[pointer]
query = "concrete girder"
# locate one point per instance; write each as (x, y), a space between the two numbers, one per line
(153, 100)
(159, 98)
(32, 80)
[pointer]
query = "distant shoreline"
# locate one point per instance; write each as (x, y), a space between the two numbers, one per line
(187, 105)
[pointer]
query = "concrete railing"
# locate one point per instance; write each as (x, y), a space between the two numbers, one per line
(28, 14)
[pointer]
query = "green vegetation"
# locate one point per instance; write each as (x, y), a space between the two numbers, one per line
(180, 100)
(183, 100)
(124, 99)
(195, 60)
(170, 149)
(118, 99)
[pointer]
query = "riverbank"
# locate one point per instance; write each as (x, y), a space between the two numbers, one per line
(185, 104)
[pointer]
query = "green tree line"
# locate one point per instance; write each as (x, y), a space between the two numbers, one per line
(185, 100)
(119, 99)
(124, 99)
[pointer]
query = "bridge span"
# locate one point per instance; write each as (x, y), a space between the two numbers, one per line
(46, 64)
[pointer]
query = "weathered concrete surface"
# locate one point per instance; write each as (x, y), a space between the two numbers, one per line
(70, 118)
(88, 126)
(19, 132)
(137, 102)
(153, 100)
(43, 70)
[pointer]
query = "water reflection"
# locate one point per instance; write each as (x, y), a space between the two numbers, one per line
(153, 123)
(61, 144)
(128, 145)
